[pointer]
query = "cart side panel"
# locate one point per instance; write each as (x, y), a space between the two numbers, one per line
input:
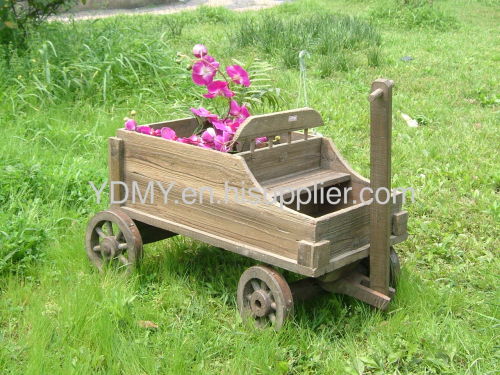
(348, 231)
(149, 160)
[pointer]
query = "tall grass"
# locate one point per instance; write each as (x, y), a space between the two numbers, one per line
(335, 38)
(414, 14)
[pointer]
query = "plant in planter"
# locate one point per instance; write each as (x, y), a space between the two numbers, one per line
(217, 131)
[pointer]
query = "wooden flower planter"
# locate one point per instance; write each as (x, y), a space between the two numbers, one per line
(343, 248)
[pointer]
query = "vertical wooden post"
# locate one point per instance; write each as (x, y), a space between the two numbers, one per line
(115, 163)
(380, 179)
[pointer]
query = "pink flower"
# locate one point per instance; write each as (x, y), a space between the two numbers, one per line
(192, 140)
(168, 133)
(236, 110)
(199, 50)
(130, 124)
(221, 142)
(202, 112)
(208, 136)
(144, 129)
(260, 140)
(156, 132)
(217, 88)
(204, 70)
(238, 75)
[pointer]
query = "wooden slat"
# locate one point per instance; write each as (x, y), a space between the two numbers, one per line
(380, 177)
(262, 225)
(315, 178)
(115, 165)
(284, 159)
(278, 123)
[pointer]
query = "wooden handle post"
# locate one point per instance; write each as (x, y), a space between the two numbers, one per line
(380, 180)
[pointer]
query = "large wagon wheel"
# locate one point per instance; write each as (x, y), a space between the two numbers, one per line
(113, 238)
(265, 296)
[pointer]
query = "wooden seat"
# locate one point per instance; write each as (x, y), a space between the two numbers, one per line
(319, 177)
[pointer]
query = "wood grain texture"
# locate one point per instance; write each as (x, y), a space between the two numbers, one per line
(400, 223)
(305, 180)
(278, 123)
(264, 226)
(115, 166)
(284, 159)
(380, 177)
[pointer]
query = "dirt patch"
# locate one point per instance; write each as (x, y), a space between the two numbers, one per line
(238, 5)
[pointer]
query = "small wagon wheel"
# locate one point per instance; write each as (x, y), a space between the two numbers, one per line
(394, 267)
(265, 296)
(113, 237)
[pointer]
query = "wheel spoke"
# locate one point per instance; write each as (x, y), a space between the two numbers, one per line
(123, 246)
(97, 248)
(249, 296)
(272, 317)
(273, 306)
(119, 235)
(100, 232)
(263, 285)
(109, 224)
(255, 285)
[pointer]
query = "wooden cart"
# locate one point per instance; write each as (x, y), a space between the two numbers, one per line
(343, 248)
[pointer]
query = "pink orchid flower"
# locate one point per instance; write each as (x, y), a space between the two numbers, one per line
(199, 50)
(130, 124)
(144, 129)
(192, 140)
(221, 142)
(238, 75)
(203, 73)
(204, 70)
(236, 110)
(208, 135)
(218, 88)
(260, 141)
(203, 112)
(168, 133)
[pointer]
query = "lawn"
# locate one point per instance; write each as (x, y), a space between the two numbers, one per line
(70, 90)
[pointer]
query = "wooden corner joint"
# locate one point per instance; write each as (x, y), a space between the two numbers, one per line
(313, 254)
(399, 223)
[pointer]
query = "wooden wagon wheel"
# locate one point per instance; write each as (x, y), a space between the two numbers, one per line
(265, 296)
(112, 237)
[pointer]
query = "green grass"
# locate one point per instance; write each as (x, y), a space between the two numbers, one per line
(62, 98)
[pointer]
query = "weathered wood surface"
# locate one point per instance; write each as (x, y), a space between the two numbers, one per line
(380, 177)
(284, 159)
(278, 123)
(115, 166)
(264, 226)
(311, 180)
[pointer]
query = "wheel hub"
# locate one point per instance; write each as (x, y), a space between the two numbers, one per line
(260, 303)
(109, 247)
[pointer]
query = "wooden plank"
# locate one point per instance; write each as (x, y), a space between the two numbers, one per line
(262, 225)
(237, 247)
(348, 228)
(400, 223)
(305, 180)
(313, 255)
(352, 285)
(380, 177)
(284, 159)
(115, 165)
(278, 123)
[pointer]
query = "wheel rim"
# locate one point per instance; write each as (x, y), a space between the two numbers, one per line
(264, 296)
(113, 239)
